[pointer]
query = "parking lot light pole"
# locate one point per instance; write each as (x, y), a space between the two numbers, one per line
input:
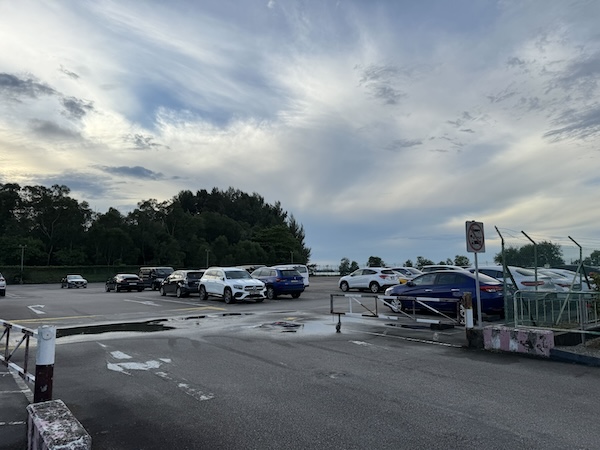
(207, 251)
(23, 247)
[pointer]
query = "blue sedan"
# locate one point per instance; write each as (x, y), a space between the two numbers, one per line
(451, 285)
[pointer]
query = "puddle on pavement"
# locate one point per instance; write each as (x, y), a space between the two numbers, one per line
(144, 327)
(300, 328)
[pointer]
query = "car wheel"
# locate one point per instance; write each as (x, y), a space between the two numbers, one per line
(271, 293)
(2, 293)
(395, 304)
(62, 286)
(85, 287)
(178, 293)
(202, 293)
(106, 288)
(296, 295)
(69, 286)
(344, 286)
(117, 289)
(259, 300)
(162, 291)
(227, 296)
(374, 287)
(140, 289)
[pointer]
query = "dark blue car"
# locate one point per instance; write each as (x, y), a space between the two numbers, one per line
(280, 281)
(451, 285)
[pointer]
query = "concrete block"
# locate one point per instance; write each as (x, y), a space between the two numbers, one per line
(52, 426)
(517, 340)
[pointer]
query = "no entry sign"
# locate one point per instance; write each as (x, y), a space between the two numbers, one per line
(475, 237)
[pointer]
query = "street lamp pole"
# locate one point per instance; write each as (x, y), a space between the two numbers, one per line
(23, 247)
(207, 250)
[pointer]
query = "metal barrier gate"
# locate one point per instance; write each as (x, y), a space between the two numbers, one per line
(368, 305)
(8, 356)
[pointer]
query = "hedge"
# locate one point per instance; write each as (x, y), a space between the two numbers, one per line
(53, 274)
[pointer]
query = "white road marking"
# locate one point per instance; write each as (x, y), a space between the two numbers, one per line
(187, 389)
(146, 302)
(120, 355)
(32, 307)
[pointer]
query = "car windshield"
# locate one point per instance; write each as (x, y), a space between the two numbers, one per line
(237, 274)
(74, 277)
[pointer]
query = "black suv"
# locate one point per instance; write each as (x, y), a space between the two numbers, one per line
(181, 283)
(152, 277)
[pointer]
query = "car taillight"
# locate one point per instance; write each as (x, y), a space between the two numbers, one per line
(532, 283)
(490, 288)
(383, 276)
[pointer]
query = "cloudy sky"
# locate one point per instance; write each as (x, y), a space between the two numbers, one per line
(382, 126)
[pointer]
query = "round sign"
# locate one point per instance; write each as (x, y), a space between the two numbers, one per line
(475, 237)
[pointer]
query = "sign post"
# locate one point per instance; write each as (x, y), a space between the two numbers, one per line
(476, 244)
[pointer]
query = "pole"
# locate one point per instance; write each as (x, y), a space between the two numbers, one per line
(292, 257)
(207, 250)
(478, 294)
(22, 258)
(44, 363)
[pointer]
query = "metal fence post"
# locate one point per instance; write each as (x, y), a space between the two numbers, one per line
(44, 364)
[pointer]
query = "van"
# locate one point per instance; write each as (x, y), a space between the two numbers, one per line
(299, 267)
(152, 277)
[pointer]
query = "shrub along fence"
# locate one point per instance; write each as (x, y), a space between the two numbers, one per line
(53, 274)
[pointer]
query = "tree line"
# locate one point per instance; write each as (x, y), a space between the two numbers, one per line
(46, 226)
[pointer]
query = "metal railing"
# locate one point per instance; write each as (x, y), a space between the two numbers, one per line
(369, 305)
(10, 349)
(574, 311)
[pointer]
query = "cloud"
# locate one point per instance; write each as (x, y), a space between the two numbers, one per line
(50, 130)
(76, 108)
(133, 172)
(14, 87)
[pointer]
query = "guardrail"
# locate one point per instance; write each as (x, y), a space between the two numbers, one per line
(572, 311)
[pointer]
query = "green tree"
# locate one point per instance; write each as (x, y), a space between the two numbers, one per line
(547, 254)
(375, 261)
(408, 263)
(344, 266)
(421, 261)
(462, 261)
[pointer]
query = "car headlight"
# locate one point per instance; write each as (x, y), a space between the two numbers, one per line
(238, 286)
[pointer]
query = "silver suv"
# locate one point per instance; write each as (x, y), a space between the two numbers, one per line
(231, 284)
(374, 279)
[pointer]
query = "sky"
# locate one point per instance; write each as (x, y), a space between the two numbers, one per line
(381, 126)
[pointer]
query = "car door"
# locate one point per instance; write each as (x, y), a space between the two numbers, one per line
(449, 285)
(170, 283)
(355, 279)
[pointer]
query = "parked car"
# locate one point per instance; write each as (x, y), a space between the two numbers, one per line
(2, 286)
(280, 281)
(578, 279)
(451, 285)
(407, 272)
(231, 284)
(300, 268)
(182, 283)
(152, 277)
(124, 282)
(73, 281)
(372, 278)
(566, 282)
(434, 267)
(525, 278)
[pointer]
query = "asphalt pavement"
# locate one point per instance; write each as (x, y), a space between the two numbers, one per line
(14, 398)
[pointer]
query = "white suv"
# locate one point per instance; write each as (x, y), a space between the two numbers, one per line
(372, 278)
(231, 284)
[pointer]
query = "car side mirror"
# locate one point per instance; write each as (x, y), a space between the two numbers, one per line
(410, 283)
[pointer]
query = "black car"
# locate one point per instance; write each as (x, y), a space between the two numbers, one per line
(152, 277)
(181, 283)
(280, 281)
(124, 282)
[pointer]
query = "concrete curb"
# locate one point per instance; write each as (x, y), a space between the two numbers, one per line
(575, 358)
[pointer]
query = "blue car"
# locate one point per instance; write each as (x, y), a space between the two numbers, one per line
(449, 284)
(280, 281)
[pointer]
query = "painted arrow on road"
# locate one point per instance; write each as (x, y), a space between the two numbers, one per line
(32, 307)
